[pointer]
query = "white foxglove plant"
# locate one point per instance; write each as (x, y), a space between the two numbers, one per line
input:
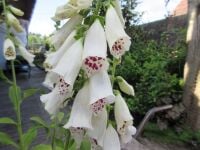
(79, 71)
(119, 42)
(11, 47)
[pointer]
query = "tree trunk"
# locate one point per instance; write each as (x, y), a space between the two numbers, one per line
(191, 96)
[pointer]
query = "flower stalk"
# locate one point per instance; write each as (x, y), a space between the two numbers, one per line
(18, 108)
(17, 105)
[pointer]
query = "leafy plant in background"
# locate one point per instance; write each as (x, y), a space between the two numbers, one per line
(155, 68)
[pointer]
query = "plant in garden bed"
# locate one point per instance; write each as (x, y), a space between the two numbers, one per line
(10, 47)
(155, 70)
(80, 71)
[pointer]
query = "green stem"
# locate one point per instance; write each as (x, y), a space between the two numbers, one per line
(53, 144)
(67, 141)
(17, 109)
(18, 105)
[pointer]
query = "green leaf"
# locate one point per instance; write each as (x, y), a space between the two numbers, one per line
(15, 95)
(29, 136)
(73, 146)
(59, 143)
(7, 140)
(42, 147)
(6, 120)
(39, 121)
(45, 147)
(4, 78)
(85, 145)
(29, 92)
(60, 116)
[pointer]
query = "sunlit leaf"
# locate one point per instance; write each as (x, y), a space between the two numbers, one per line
(6, 120)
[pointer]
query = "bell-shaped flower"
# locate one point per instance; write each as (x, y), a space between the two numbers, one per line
(111, 139)
(65, 11)
(95, 49)
(69, 65)
(16, 11)
(118, 9)
(125, 87)
(50, 80)
(70, 9)
(61, 35)
(101, 92)
(96, 134)
(123, 119)
(9, 50)
(119, 42)
(81, 115)
(27, 55)
(53, 58)
(84, 4)
(55, 100)
(14, 22)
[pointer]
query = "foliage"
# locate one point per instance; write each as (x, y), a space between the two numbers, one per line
(155, 69)
(170, 136)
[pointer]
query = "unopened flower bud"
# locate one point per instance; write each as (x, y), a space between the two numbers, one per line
(14, 22)
(125, 87)
(16, 11)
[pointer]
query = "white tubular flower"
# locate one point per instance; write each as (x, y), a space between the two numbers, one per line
(50, 80)
(16, 11)
(111, 139)
(84, 4)
(118, 40)
(95, 49)
(14, 22)
(53, 58)
(123, 119)
(65, 11)
(9, 50)
(96, 135)
(119, 11)
(125, 87)
(27, 55)
(71, 58)
(71, 8)
(55, 100)
(81, 115)
(60, 36)
(100, 91)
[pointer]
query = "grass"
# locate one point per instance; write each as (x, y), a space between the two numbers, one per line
(169, 135)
